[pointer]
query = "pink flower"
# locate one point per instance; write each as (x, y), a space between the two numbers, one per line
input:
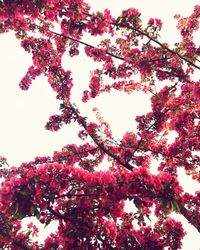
(151, 21)
(196, 90)
(158, 22)
(91, 127)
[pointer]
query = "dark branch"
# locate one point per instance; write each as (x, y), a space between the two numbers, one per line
(86, 44)
(152, 39)
(191, 219)
(172, 74)
(100, 145)
(157, 42)
(151, 126)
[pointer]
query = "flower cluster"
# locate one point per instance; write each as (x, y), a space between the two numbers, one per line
(89, 204)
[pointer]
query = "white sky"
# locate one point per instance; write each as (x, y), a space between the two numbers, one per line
(24, 113)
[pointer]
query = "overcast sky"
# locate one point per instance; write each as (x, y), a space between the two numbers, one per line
(24, 113)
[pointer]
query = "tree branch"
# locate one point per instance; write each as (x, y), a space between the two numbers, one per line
(150, 38)
(86, 44)
(157, 42)
(192, 221)
(21, 245)
(141, 140)
(100, 145)
(122, 58)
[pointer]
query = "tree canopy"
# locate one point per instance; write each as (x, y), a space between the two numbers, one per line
(70, 187)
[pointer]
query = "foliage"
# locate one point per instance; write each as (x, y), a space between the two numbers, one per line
(70, 186)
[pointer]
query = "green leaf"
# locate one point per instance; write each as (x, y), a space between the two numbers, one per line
(38, 215)
(33, 209)
(118, 19)
(133, 33)
(92, 189)
(57, 179)
(138, 204)
(28, 233)
(47, 223)
(177, 206)
(138, 19)
(163, 203)
(63, 206)
(35, 212)
(174, 207)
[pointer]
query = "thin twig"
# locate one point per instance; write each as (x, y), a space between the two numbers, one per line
(122, 59)
(100, 145)
(86, 44)
(150, 38)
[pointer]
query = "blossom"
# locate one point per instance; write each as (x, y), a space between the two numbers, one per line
(70, 187)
